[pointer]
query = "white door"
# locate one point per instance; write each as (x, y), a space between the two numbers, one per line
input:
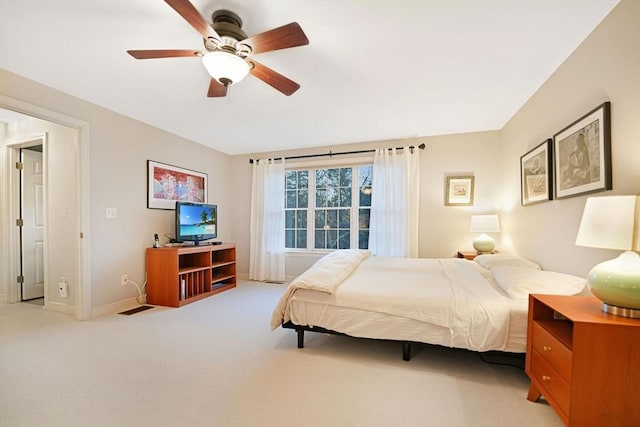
(32, 230)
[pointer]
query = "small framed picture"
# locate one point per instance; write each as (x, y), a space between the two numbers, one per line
(582, 155)
(167, 184)
(459, 191)
(535, 174)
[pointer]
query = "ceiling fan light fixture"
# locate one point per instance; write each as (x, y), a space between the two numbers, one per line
(225, 67)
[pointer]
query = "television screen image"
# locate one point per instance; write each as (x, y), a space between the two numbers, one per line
(196, 222)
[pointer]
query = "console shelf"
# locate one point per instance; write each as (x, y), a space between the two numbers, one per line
(181, 275)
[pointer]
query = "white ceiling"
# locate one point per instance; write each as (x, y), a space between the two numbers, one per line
(373, 70)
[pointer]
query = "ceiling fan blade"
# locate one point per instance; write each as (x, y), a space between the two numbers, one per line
(216, 89)
(290, 35)
(193, 17)
(151, 54)
(273, 78)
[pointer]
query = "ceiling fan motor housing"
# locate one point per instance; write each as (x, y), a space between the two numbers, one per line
(229, 26)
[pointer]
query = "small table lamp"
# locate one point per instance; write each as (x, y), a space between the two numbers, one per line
(484, 224)
(611, 222)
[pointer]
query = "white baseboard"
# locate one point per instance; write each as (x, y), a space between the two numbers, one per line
(60, 307)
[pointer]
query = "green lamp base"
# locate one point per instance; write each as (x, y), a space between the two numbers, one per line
(617, 284)
(484, 244)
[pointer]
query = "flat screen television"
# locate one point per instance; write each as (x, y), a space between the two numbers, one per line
(196, 222)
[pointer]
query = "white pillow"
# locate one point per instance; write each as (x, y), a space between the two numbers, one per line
(494, 260)
(519, 282)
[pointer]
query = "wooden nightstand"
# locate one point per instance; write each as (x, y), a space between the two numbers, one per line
(470, 254)
(467, 255)
(585, 362)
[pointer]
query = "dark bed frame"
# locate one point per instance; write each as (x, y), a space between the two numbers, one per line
(406, 345)
(495, 357)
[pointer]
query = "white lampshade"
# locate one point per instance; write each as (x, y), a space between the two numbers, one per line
(609, 222)
(484, 224)
(612, 223)
(225, 67)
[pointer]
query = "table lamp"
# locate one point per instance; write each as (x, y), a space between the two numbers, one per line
(484, 244)
(611, 222)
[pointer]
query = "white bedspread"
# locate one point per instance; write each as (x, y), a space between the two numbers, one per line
(444, 292)
(325, 275)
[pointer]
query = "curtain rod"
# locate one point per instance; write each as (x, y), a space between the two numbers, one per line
(307, 156)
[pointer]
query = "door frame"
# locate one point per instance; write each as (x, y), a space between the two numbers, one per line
(82, 187)
(14, 293)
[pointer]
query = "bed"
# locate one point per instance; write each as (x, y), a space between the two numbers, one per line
(478, 305)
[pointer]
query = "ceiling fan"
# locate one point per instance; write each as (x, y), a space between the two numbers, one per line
(228, 56)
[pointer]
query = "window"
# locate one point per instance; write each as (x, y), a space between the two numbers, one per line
(337, 214)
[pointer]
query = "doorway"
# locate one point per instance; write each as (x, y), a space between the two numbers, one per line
(75, 241)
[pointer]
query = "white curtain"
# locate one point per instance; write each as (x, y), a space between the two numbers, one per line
(266, 256)
(395, 203)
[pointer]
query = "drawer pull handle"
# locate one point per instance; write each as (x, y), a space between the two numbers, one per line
(546, 348)
(546, 378)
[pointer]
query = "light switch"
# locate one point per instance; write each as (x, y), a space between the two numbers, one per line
(111, 213)
(64, 212)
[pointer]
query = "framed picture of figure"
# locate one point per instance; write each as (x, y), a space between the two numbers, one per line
(582, 155)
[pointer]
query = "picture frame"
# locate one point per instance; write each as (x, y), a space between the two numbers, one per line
(536, 176)
(167, 184)
(459, 191)
(582, 155)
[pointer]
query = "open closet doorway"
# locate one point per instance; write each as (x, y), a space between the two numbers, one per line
(31, 223)
(62, 215)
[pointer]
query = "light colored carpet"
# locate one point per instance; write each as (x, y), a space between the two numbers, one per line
(216, 363)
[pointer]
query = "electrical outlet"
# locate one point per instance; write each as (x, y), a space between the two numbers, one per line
(124, 279)
(63, 287)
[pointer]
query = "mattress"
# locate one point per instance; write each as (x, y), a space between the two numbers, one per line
(454, 303)
(311, 308)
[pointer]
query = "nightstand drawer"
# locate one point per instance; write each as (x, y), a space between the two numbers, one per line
(553, 351)
(554, 387)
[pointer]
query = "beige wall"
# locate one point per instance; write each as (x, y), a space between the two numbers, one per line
(119, 150)
(606, 67)
(443, 229)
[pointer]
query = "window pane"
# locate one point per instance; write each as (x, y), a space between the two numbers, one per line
(365, 196)
(364, 217)
(289, 219)
(345, 239)
(333, 177)
(320, 239)
(345, 177)
(345, 197)
(363, 239)
(321, 198)
(332, 197)
(291, 180)
(291, 199)
(303, 198)
(303, 179)
(301, 219)
(332, 239)
(302, 239)
(332, 218)
(365, 176)
(345, 218)
(289, 238)
(321, 178)
(320, 220)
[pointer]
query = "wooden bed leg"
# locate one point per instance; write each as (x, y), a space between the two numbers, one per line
(300, 338)
(406, 351)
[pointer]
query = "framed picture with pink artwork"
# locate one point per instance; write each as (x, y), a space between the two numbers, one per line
(167, 184)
